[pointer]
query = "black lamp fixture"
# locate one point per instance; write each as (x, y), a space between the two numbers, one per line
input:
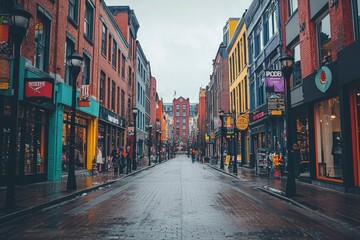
(75, 64)
(235, 142)
(149, 143)
(135, 112)
(221, 115)
(19, 26)
(287, 69)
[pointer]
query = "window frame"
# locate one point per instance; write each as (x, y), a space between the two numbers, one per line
(75, 18)
(45, 44)
(104, 40)
(89, 22)
(86, 70)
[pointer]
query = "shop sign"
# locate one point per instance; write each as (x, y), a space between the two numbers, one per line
(242, 122)
(323, 79)
(275, 113)
(109, 116)
(258, 114)
(39, 89)
(130, 131)
(5, 45)
(276, 103)
(274, 81)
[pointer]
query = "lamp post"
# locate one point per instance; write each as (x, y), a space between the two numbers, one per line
(160, 148)
(287, 69)
(135, 112)
(221, 115)
(235, 170)
(75, 62)
(19, 27)
(150, 144)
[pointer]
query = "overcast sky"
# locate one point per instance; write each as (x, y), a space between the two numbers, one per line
(180, 38)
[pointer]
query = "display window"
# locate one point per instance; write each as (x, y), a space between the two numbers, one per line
(81, 125)
(328, 140)
(355, 123)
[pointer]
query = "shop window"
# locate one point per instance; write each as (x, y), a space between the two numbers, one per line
(324, 40)
(328, 139)
(302, 141)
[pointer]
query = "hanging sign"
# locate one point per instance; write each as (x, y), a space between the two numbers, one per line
(242, 122)
(323, 79)
(5, 46)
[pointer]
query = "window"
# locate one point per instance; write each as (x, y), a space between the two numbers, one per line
(122, 66)
(258, 40)
(113, 96)
(177, 120)
(270, 25)
(252, 95)
(251, 50)
(356, 14)
(114, 50)
(102, 87)
(177, 106)
(86, 70)
(73, 10)
(328, 139)
(130, 76)
(122, 103)
(184, 107)
(69, 49)
(184, 120)
(297, 66)
(103, 39)
(119, 62)
(293, 5)
(184, 114)
(109, 47)
(89, 21)
(260, 89)
(324, 39)
(42, 39)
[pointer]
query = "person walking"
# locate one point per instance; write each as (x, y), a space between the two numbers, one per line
(99, 160)
(122, 160)
(128, 163)
(115, 155)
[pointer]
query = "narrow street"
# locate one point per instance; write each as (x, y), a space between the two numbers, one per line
(177, 200)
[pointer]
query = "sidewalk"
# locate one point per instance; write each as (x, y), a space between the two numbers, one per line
(331, 204)
(38, 196)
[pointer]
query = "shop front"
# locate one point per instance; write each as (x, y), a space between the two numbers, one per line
(111, 131)
(324, 96)
(35, 106)
(86, 124)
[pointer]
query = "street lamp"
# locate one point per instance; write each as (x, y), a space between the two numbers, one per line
(150, 144)
(19, 27)
(235, 142)
(160, 147)
(75, 64)
(221, 115)
(287, 69)
(135, 112)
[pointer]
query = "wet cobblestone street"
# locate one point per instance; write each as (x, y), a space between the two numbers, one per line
(176, 200)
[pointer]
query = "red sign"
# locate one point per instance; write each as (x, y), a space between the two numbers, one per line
(39, 88)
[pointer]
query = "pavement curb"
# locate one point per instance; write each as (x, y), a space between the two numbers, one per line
(20, 213)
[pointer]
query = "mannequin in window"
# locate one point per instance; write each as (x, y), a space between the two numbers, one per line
(336, 149)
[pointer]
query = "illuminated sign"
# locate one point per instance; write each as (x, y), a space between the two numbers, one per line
(39, 88)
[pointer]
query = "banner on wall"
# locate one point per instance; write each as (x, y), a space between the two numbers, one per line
(39, 89)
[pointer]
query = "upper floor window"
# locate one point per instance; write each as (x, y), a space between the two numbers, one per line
(251, 49)
(260, 89)
(86, 70)
(270, 24)
(73, 10)
(258, 39)
(293, 6)
(114, 51)
(103, 39)
(297, 65)
(102, 87)
(184, 107)
(69, 49)
(113, 89)
(177, 106)
(356, 13)
(89, 21)
(42, 39)
(123, 66)
(324, 39)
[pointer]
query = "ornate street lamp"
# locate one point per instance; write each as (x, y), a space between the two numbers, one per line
(135, 112)
(221, 115)
(235, 142)
(75, 64)
(287, 69)
(19, 26)
(150, 144)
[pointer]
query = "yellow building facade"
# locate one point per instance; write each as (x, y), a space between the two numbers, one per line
(239, 87)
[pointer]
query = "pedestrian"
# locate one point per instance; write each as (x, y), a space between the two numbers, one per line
(281, 162)
(122, 160)
(115, 157)
(99, 160)
(128, 163)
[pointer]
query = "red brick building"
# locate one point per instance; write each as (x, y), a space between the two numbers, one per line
(201, 112)
(181, 114)
(323, 37)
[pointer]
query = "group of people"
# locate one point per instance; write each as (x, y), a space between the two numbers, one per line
(119, 160)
